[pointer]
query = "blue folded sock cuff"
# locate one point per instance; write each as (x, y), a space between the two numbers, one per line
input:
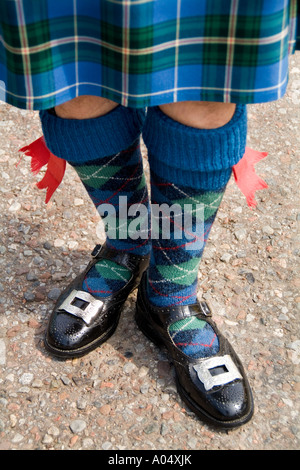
(198, 158)
(83, 140)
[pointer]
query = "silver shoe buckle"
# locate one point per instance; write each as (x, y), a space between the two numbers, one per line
(90, 310)
(207, 365)
(96, 251)
(205, 308)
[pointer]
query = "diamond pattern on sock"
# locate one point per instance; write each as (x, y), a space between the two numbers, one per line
(190, 168)
(105, 278)
(109, 180)
(174, 263)
(172, 275)
(194, 337)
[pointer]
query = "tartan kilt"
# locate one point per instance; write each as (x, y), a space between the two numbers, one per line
(143, 53)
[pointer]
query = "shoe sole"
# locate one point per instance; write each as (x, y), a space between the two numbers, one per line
(155, 338)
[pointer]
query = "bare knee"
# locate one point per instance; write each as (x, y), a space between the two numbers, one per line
(85, 107)
(200, 114)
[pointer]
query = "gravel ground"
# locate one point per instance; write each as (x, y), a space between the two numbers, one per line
(122, 395)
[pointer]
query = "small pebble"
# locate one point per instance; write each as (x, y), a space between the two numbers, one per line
(29, 296)
(2, 352)
(15, 207)
(240, 234)
(226, 257)
(129, 368)
(47, 246)
(77, 426)
(26, 378)
(268, 230)
(54, 293)
(106, 445)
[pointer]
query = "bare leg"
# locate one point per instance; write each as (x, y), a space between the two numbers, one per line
(85, 107)
(200, 114)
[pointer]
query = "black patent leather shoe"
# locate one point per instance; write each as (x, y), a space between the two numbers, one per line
(81, 322)
(216, 388)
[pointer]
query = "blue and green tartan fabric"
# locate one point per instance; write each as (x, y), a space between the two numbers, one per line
(145, 52)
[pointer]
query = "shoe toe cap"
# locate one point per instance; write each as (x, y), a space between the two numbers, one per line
(231, 402)
(64, 332)
(228, 405)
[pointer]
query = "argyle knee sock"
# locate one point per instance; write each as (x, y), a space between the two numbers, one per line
(105, 153)
(189, 168)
